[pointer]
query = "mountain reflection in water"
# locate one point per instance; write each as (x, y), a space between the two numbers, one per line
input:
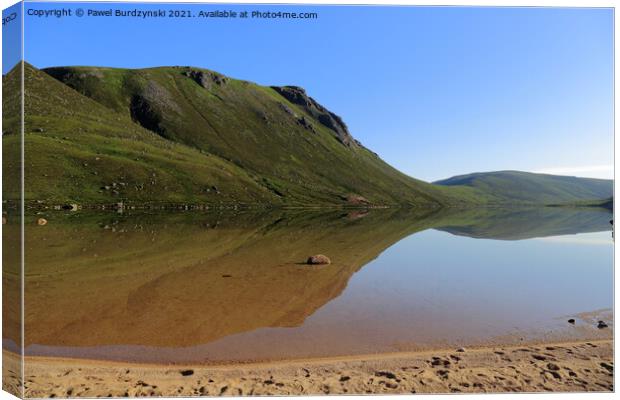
(99, 285)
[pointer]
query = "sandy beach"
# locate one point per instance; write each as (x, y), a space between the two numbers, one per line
(557, 367)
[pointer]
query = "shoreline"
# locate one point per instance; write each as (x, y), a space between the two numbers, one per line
(232, 364)
(72, 206)
(584, 365)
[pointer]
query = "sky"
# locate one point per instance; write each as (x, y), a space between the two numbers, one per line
(11, 36)
(435, 91)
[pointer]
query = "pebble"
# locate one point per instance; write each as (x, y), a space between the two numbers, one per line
(318, 259)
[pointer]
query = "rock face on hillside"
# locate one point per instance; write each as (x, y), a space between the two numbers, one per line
(297, 95)
(172, 134)
(187, 135)
(206, 79)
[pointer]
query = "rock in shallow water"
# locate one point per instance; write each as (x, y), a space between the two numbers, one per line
(318, 259)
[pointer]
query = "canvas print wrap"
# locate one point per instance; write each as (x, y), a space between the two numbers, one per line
(228, 199)
(12, 196)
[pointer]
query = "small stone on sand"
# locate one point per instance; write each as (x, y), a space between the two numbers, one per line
(318, 259)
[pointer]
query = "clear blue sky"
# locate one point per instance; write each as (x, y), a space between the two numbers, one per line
(11, 36)
(434, 91)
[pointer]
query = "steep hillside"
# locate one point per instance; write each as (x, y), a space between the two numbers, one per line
(79, 150)
(184, 135)
(526, 187)
(284, 141)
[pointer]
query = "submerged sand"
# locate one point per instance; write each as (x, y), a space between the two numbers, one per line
(557, 367)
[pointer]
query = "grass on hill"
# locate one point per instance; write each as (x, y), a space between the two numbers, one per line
(186, 135)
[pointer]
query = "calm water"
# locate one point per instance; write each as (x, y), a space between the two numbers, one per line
(209, 288)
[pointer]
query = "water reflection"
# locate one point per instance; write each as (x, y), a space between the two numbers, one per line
(196, 287)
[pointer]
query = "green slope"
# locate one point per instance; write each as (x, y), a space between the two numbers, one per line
(283, 140)
(184, 135)
(530, 188)
(78, 150)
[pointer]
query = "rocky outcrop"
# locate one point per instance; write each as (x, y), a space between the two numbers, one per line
(206, 79)
(143, 113)
(303, 121)
(297, 95)
(287, 109)
(148, 107)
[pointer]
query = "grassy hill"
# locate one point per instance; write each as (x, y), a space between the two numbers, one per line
(185, 135)
(530, 188)
(190, 135)
(79, 150)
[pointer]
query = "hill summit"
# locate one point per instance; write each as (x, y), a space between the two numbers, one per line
(187, 135)
(191, 135)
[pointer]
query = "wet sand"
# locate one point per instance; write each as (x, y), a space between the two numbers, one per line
(557, 367)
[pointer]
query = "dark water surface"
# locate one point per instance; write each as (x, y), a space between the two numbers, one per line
(233, 287)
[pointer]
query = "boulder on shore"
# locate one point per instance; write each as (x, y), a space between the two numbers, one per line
(318, 259)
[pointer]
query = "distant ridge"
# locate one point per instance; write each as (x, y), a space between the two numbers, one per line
(528, 187)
